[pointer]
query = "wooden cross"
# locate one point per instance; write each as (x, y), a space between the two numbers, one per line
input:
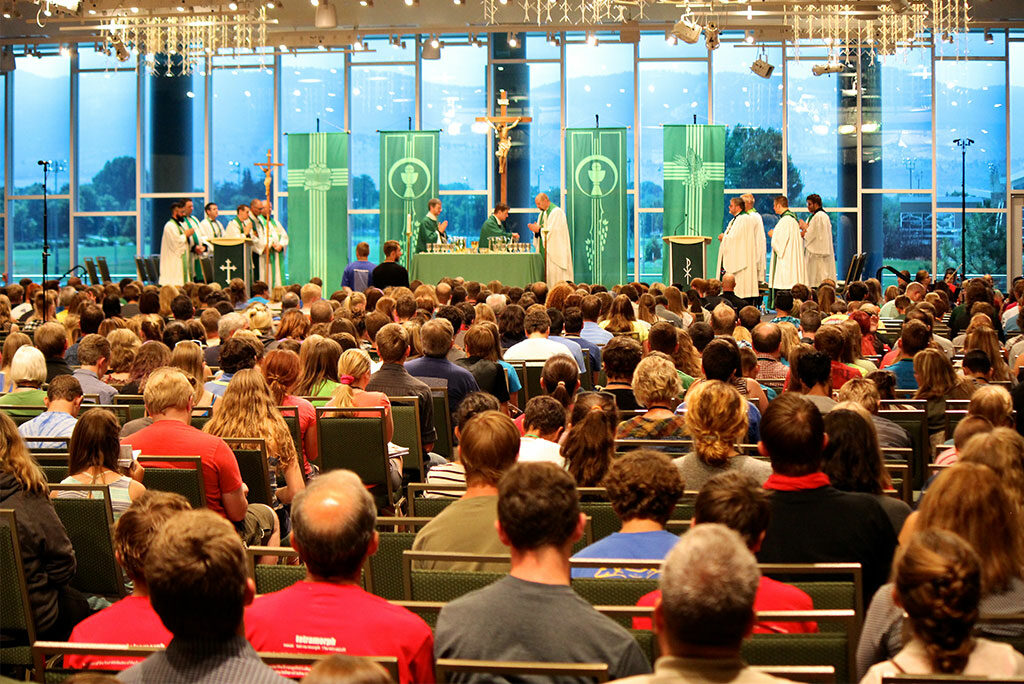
(502, 124)
(268, 173)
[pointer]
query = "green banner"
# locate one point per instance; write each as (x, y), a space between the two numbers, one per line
(694, 178)
(408, 179)
(317, 207)
(596, 203)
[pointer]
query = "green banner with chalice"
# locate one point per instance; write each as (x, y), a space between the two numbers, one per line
(408, 179)
(596, 203)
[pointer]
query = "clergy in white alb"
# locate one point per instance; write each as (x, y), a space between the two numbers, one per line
(821, 259)
(174, 248)
(210, 227)
(762, 242)
(552, 231)
(787, 248)
(272, 261)
(197, 247)
(241, 225)
(259, 238)
(739, 250)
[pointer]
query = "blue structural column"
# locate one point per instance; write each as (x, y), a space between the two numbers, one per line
(170, 141)
(514, 79)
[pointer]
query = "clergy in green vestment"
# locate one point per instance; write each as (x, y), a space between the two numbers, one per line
(494, 227)
(430, 231)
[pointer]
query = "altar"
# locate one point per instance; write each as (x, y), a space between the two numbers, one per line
(512, 269)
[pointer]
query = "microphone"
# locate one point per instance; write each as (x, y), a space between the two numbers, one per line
(43, 162)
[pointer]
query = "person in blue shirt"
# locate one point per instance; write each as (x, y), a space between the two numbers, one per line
(643, 487)
(362, 263)
(914, 337)
(260, 292)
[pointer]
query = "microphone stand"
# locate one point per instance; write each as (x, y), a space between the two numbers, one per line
(963, 144)
(46, 235)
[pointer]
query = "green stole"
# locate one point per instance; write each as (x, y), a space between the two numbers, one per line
(540, 233)
(274, 229)
(186, 258)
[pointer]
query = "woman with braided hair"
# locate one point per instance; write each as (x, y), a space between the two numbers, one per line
(970, 500)
(938, 583)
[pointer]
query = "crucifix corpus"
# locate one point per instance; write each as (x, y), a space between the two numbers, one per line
(268, 172)
(502, 124)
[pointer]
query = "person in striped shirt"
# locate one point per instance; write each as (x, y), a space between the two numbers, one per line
(63, 399)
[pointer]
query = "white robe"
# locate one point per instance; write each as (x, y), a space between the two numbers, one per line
(558, 251)
(208, 230)
(788, 253)
(762, 245)
(173, 252)
(234, 229)
(821, 260)
(739, 254)
(272, 262)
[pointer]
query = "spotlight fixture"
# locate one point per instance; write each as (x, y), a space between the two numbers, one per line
(670, 38)
(827, 68)
(591, 39)
(458, 2)
(513, 41)
(553, 38)
(761, 67)
(748, 37)
(412, 3)
(431, 49)
(120, 50)
(357, 44)
(326, 16)
(366, 3)
(502, 2)
(271, 4)
(686, 29)
(989, 38)
(712, 36)
(180, 8)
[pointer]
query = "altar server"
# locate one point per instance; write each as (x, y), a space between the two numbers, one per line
(429, 230)
(495, 227)
(272, 262)
(552, 231)
(762, 242)
(738, 253)
(787, 248)
(821, 259)
(174, 248)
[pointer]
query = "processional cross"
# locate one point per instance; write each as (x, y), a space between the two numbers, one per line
(268, 172)
(502, 124)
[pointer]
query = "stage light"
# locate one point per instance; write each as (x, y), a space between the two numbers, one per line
(512, 41)
(989, 38)
(592, 39)
(762, 68)
(687, 30)
(431, 49)
(712, 36)
(670, 38)
(827, 68)
(434, 42)
(326, 16)
(748, 37)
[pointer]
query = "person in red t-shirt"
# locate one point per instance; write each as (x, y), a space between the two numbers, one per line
(169, 396)
(737, 501)
(333, 531)
(132, 620)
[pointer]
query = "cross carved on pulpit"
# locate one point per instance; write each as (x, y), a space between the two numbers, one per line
(228, 267)
(502, 124)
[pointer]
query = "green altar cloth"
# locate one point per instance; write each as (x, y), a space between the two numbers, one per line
(514, 270)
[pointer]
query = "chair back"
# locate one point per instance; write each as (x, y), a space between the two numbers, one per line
(446, 585)
(453, 669)
(421, 506)
(291, 418)
(22, 414)
(89, 522)
(405, 415)
(271, 578)
(17, 621)
(444, 444)
(251, 454)
(354, 438)
(181, 474)
(915, 422)
(54, 473)
(120, 411)
(136, 405)
(385, 567)
(206, 263)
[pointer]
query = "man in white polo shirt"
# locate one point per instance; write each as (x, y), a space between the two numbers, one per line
(537, 346)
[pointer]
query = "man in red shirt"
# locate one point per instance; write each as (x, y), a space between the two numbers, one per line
(169, 396)
(333, 531)
(132, 620)
(735, 500)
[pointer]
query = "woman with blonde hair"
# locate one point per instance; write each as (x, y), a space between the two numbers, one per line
(1002, 450)
(716, 418)
(970, 500)
(646, 306)
(247, 409)
(5, 313)
(12, 344)
(790, 341)
(188, 357)
(47, 557)
(44, 308)
(853, 354)
(353, 376)
(485, 313)
(354, 306)
(319, 359)
(984, 338)
(938, 584)
(937, 382)
(657, 388)
(686, 356)
(167, 295)
(261, 322)
(124, 344)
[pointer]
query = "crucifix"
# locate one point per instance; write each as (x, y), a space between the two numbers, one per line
(502, 124)
(268, 172)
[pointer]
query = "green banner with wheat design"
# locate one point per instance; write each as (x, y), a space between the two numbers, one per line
(317, 206)
(596, 206)
(408, 179)
(694, 185)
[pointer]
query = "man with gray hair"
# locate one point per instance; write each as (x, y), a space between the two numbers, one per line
(497, 302)
(435, 369)
(708, 584)
(227, 325)
(290, 300)
(333, 531)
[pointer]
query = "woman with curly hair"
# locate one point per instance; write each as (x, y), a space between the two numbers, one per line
(938, 583)
(318, 357)
(281, 369)
(294, 325)
(656, 387)
(248, 409)
(970, 500)
(151, 355)
(716, 418)
(589, 443)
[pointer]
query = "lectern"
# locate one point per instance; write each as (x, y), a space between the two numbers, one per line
(687, 257)
(232, 258)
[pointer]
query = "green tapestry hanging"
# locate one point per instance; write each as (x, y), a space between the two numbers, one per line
(408, 179)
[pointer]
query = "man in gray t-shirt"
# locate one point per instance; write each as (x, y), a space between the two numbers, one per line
(533, 614)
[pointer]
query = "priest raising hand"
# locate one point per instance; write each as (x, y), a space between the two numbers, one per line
(430, 231)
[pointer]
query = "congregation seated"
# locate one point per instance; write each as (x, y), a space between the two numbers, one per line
(543, 423)
(62, 402)
(656, 387)
(621, 356)
(643, 487)
(533, 613)
(132, 620)
(454, 473)
(28, 373)
(434, 369)
(537, 346)
(720, 360)
(589, 444)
